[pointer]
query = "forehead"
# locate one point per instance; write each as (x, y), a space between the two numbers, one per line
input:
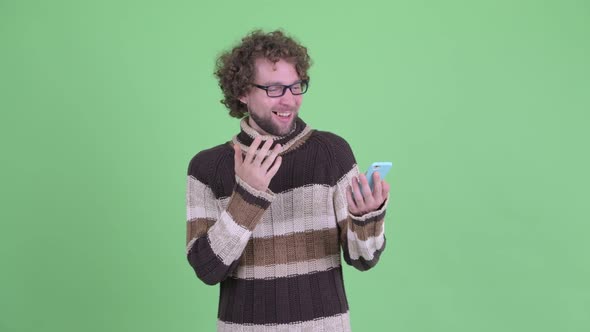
(280, 72)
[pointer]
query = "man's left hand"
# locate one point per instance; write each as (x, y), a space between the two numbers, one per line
(364, 200)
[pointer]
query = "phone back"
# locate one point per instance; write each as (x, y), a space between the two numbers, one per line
(382, 166)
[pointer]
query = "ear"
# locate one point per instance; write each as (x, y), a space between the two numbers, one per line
(243, 100)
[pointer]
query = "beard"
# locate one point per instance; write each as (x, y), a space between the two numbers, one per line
(270, 127)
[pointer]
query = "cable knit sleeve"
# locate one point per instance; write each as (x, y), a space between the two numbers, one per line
(218, 232)
(362, 237)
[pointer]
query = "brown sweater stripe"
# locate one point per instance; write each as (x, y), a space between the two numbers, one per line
(274, 271)
(295, 247)
(196, 228)
(365, 231)
(246, 209)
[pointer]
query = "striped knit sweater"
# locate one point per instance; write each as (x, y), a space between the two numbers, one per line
(276, 254)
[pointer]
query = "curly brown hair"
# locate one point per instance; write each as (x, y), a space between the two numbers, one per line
(235, 69)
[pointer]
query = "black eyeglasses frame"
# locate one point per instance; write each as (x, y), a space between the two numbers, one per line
(304, 83)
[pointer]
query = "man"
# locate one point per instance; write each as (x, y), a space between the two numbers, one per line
(269, 212)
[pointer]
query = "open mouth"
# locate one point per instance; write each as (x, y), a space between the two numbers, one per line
(283, 116)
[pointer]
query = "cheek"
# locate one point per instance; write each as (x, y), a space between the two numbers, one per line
(272, 103)
(260, 103)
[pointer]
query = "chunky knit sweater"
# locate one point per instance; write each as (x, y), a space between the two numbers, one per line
(276, 254)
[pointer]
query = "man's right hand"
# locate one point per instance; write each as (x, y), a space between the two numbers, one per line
(257, 169)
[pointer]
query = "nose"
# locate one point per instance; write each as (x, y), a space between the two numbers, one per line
(289, 98)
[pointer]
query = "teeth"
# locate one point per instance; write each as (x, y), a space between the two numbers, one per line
(283, 114)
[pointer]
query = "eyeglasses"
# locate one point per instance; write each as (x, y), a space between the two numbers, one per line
(278, 90)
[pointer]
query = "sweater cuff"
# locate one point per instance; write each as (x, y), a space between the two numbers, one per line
(247, 205)
(371, 216)
(266, 195)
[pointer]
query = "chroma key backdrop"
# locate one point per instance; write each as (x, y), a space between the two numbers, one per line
(482, 106)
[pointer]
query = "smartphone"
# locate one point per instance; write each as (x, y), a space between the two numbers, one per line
(382, 166)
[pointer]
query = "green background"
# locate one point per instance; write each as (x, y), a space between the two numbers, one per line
(481, 105)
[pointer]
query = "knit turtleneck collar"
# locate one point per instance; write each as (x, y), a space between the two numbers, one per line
(288, 142)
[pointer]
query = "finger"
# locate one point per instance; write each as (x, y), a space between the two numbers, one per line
(262, 153)
(252, 150)
(275, 167)
(377, 187)
(271, 158)
(237, 157)
(386, 188)
(351, 203)
(356, 193)
(365, 189)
